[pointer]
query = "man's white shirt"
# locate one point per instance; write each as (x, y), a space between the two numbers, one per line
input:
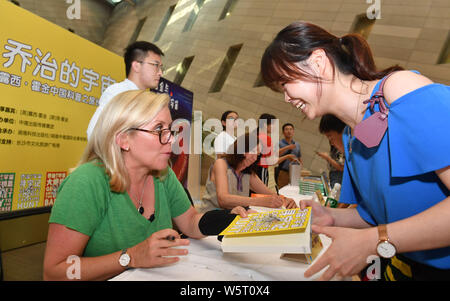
(222, 142)
(107, 95)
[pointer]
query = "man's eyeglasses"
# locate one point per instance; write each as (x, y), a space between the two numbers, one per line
(164, 134)
(158, 66)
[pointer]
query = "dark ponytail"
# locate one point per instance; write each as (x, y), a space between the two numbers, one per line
(361, 62)
(351, 54)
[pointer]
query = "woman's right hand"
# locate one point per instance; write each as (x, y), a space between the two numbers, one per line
(321, 216)
(153, 251)
(274, 201)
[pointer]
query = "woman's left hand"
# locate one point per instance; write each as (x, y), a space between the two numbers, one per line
(348, 253)
(241, 211)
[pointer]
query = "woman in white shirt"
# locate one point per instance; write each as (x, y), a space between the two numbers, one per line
(225, 139)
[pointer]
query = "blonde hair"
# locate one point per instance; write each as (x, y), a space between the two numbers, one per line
(130, 109)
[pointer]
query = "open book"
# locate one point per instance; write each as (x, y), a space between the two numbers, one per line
(275, 231)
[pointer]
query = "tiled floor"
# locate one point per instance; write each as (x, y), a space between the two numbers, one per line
(24, 264)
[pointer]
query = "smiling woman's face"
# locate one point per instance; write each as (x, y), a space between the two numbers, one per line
(311, 93)
(303, 96)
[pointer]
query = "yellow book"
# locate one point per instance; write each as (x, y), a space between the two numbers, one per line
(293, 238)
(272, 242)
(270, 222)
(307, 257)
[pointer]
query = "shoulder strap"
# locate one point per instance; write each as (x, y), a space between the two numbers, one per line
(378, 96)
(379, 92)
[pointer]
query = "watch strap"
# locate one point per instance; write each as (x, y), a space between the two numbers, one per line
(382, 233)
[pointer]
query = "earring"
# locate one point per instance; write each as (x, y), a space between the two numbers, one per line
(126, 149)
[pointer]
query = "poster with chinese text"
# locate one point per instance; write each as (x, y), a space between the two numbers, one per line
(50, 84)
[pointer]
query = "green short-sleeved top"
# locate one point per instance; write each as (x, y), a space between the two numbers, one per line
(85, 203)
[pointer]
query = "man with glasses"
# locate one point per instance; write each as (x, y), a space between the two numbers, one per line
(143, 68)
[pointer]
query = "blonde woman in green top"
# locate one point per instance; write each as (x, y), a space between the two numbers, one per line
(115, 210)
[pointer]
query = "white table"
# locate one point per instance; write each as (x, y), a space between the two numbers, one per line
(207, 262)
(293, 192)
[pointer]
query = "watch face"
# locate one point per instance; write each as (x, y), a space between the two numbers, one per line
(386, 249)
(124, 260)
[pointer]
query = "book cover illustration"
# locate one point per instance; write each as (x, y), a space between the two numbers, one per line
(269, 222)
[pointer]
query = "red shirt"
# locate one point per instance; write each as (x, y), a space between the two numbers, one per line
(266, 148)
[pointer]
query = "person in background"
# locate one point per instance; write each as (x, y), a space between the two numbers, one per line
(231, 178)
(264, 138)
(332, 128)
(397, 147)
(116, 209)
(289, 151)
(143, 69)
(224, 139)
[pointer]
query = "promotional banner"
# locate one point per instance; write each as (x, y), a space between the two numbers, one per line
(181, 104)
(50, 84)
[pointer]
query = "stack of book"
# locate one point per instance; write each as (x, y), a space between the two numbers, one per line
(286, 231)
(308, 185)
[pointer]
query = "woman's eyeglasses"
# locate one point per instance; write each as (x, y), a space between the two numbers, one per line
(164, 134)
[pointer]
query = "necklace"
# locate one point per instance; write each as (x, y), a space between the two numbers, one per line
(141, 209)
(356, 117)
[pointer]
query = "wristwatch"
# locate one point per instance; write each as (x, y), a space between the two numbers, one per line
(385, 248)
(124, 259)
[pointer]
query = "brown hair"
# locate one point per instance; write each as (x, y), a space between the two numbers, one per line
(351, 54)
(329, 123)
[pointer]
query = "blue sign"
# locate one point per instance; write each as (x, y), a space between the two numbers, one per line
(181, 104)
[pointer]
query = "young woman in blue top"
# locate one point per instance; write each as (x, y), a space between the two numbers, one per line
(401, 182)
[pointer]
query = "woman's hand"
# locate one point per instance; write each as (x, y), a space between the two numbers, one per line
(320, 214)
(289, 203)
(153, 251)
(274, 201)
(324, 155)
(241, 211)
(348, 253)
